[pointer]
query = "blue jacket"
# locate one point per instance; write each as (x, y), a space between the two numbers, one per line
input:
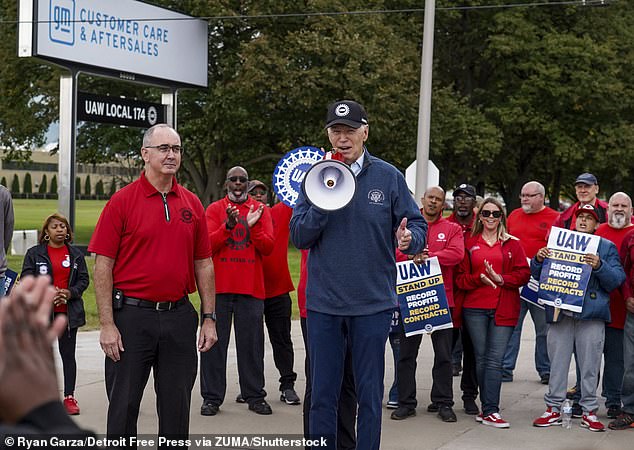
(351, 263)
(596, 302)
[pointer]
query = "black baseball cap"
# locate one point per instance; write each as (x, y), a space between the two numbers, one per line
(466, 188)
(346, 112)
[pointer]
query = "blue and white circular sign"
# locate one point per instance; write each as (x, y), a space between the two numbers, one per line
(291, 170)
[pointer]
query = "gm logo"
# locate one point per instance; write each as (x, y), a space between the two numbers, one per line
(61, 25)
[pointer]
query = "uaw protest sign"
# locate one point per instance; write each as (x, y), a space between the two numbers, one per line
(421, 297)
(565, 276)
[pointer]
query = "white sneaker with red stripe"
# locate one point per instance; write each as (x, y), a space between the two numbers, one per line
(550, 417)
(495, 420)
(591, 422)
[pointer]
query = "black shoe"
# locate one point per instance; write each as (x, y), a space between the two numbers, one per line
(446, 414)
(470, 407)
(571, 392)
(545, 378)
(290, 397)
(507, 377)
(457, 368)
(577, 411)
(614, 412)
(209, 409)
(240, 399)
(261, 407)
(402, 412)
(433, 407)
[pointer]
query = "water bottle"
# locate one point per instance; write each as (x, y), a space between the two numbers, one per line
(566, 414)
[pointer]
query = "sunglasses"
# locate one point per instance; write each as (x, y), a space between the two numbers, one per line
(495, 214)
(241, 179)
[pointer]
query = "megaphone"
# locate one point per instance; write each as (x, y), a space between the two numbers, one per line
(329, 185)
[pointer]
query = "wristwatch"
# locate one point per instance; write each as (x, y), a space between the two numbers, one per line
(211, 315)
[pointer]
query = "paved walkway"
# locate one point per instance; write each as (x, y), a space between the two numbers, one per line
(522, 401)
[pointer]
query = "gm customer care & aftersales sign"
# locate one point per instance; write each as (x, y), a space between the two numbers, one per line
(120, 37)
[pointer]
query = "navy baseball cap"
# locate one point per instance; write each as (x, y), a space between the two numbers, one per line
(587, 178)
(465, 188)
(346, 112)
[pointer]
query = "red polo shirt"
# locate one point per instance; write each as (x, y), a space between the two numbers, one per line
(531, 229)
(277, 278)
(154, 246)
(618, 312)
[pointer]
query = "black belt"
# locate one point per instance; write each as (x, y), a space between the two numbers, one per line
(159, 306)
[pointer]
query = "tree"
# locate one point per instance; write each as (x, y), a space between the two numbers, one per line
(54, 185)
(28, 188)
(87, 186)
(99, 188)
(43, 185)
(113, 187)
(77, 186)
(3, 181)
(15, 185)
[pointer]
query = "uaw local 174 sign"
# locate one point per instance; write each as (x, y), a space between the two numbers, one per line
(291, 170)
(421, 297)
(565, 276)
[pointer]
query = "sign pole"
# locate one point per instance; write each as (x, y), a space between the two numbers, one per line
(170, 100)
(67, 145)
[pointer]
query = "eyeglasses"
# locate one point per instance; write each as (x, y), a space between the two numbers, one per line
(258, 192)
(234, 179)
(165, 148)
(461, 198)
(487, 213)
(529, 195)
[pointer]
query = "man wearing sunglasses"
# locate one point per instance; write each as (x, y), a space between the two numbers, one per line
(350, 292)
(241, 232)
(531, 225)
(464, 204)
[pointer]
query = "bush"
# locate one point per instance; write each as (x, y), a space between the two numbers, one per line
(77, 186)
(28, 187)
(43, 185)
(99, 188)
(3, 182)
(113, 187)
(87, 186)
(54, 185)
(15, 184)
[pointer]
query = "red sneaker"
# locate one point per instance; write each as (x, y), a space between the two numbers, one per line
(550, 417)
(71, 406)
(591, 422)
(495, 420)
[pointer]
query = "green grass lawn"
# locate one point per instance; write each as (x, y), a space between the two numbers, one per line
(30, 215)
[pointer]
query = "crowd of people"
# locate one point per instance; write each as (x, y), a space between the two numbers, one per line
(155, 244)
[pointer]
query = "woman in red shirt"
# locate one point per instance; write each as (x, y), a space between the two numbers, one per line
(65, 264)
(491, 273)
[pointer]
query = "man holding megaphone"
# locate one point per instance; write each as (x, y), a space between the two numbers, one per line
(351, 292)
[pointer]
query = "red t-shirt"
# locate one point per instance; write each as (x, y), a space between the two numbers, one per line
(466, 229)
(618, 312)
(154, 254)
(237, 253)
(277, 278)
(531, 229)
(60, 265)
(484, 296)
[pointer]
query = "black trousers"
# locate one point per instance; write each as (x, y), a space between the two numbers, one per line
(66, 344)
(469, 379)
(277, 316)
(347, 410)
(442, 381)
(161, 341)
(247, 312)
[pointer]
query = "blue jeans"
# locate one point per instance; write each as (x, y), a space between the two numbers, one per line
(542, 363)
(489, 344)
(328, 340)
(395, 345)
(612, 367)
